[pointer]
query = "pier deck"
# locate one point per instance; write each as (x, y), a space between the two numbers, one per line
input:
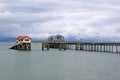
(113, 47)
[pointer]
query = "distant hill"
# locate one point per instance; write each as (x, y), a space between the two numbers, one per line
(8, 39)
(12, 39)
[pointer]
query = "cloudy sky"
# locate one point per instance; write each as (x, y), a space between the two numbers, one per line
(81, 19)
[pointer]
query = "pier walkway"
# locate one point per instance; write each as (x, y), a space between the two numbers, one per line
(113, 47)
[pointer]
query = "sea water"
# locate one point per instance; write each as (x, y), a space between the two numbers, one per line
(57, 65)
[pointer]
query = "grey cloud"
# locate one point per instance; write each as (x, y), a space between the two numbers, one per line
(19, 18)
(78, 18)
(32, 8)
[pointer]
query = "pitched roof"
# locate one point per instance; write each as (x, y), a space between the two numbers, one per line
(22, 37)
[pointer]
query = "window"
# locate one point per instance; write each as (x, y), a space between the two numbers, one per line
(26, 39)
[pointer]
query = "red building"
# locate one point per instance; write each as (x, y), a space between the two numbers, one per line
(23, 39)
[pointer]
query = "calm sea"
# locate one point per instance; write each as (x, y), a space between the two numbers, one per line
(57, 65)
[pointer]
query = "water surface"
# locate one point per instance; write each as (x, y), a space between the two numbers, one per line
(57, 65)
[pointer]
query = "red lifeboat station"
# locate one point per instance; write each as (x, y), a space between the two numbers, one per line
(23, 39)
(22, 43)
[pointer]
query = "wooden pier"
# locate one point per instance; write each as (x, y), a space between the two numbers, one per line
(113, 47)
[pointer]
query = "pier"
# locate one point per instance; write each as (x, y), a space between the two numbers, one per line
(111, 47)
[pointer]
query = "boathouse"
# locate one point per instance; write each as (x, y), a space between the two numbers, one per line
(54, 41)
(22, 43)
(23, 39)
